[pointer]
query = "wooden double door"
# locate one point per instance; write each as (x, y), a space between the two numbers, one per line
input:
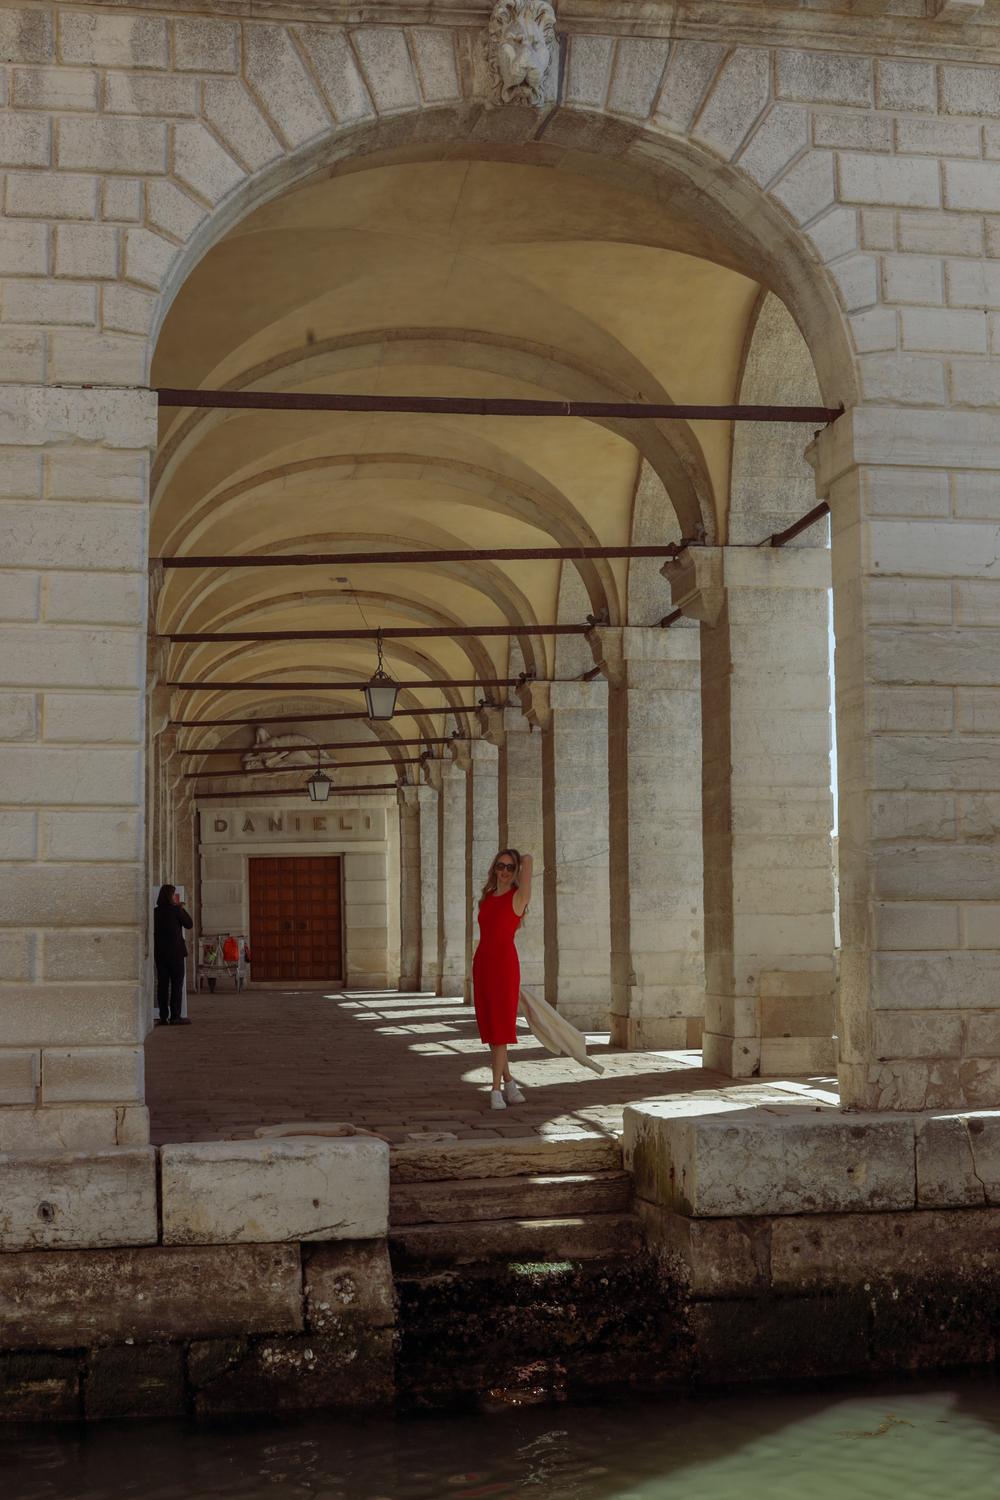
(296, 919)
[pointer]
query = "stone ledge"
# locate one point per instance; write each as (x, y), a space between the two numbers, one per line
(89, 1298)
(271, 1192)
(724, 1159)
(75, 1199)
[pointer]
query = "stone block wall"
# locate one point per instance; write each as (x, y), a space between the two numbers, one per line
(223, 1277)
(859, 171)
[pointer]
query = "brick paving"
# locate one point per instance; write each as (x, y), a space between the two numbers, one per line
(401, 1065)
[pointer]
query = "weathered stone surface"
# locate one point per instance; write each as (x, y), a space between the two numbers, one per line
(473, 1199)
(145, 1380)
(352, 1368)
(87, 1298)
(804, 1337)
(725, 1161)
(851, 1250)
(39, 1387)
(714, 1257)
(349, 1284)
(958, 1160)
(77, 1199)
(573, 1238)
(505, 1158)
(275, 1191)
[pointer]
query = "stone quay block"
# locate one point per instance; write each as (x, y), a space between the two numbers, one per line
(350, 1283)
(88, 1298)
(272, 1191)
(958, 1159)
(721, 1159)
(844, 1251)
(77, 1199)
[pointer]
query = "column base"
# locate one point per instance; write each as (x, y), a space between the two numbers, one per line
(661, 1033)
(73, 1127)
(452, 986)
(736, 1057)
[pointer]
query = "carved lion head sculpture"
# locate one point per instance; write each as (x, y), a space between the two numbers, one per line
(520, 48)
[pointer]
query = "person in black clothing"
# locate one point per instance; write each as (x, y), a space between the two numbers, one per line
(169, 954)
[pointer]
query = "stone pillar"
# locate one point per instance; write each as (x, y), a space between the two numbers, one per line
(73, 478)
(573, 719)
(769, 938)
(519, 808)
(913, 496)
(655, 861)
(452, 880)
(427, 799)
(409, 887)
(483, 833)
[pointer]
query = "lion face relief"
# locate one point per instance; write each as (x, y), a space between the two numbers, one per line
(520, 48)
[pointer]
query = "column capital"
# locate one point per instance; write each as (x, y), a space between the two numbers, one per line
(908, 437)
(632, 655)
(535, 703)
(408, 795)
(460, 755)
(701, 578)
(433, 770)
(498, 723)
(697, 583)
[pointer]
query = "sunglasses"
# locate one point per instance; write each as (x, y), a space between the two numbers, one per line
(501, 865)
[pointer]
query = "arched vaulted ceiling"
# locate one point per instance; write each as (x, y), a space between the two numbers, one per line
(451, 277)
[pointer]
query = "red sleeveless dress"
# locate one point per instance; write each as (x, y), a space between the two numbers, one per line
(496, 970)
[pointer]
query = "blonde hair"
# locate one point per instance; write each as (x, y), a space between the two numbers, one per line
(491, 879)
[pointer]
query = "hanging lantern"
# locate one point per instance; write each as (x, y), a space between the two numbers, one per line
(381, 691)
(318, 786)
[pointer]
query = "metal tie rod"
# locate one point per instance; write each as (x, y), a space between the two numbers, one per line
(318, 717)
(444, 739)
(394, 633)
(492, 406)
(254, 686)
(385, 763)
(421, 556)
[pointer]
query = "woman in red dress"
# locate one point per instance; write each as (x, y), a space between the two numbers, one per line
(496, 971)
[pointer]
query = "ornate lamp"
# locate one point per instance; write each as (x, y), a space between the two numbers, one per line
(381, 691)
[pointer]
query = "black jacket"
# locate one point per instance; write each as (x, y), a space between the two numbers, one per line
(168, 933)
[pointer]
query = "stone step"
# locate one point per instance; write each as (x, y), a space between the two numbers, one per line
(541, 1195)
(440, 1162)
(590, 1237)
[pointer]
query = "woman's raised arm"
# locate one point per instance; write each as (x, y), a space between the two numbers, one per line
(522, 896)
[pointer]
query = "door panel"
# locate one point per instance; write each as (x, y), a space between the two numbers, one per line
(295, 919)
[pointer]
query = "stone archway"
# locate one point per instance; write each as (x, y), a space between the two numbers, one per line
(248, 141)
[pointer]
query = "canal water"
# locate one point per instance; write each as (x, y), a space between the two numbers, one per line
(897, 1441)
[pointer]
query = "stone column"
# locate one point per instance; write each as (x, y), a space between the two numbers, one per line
(769, 937)
(452, 879)
(655, 861)
(913, 496)
(73, 480)
(573, 719)
(519, 808)
(427, 799)
(409, 887)
(480, 759)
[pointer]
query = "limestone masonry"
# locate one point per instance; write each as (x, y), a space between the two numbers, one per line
(714, 204)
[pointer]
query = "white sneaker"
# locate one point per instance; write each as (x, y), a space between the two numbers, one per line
(497, 1100)
(512, 1094)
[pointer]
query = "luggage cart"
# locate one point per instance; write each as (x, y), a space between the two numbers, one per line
(213, 965)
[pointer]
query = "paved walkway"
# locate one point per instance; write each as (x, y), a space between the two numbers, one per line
(402, 1065)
